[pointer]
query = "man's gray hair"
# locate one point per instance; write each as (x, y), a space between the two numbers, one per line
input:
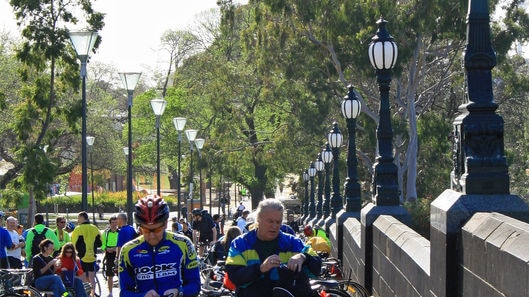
(270, 203)
(122, 215)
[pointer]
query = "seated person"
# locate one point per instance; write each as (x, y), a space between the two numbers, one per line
(318, 239)
(221, 247)
(70, 269)
(44, 266)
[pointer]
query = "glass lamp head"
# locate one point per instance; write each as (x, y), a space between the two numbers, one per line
(83, 42)
(90, 140)
(199, 143)
(335, 136)
(312, 170)
(351, 107)
(158, 106)
(130, 80)
(326, 154)
(382, 50)
(191, 134)
(179, 123)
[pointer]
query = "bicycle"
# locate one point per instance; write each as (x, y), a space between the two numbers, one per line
(17, 283)
(332, 269)
(104, 273)
(319, 288)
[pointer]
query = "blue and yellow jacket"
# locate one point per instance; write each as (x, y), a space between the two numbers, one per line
(171, 264)
(243, 263)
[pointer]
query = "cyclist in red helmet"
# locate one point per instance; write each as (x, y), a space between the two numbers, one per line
(158, 262)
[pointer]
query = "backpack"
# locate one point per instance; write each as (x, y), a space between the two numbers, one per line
(319, 228)
(37, 239)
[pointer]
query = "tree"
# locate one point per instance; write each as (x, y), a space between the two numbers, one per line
(427, 77)
(45, 115)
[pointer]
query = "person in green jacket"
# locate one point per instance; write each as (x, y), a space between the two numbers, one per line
(109, 236)
(60, 232)
(32, 248)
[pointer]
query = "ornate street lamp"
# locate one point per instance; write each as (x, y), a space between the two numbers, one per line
(199, 143)
(335, 139)
(83, 43)
(383, 56)
(179, 124)
(306, 178)
(90, 141)
(191, 135)
(158, 107)
(320, 166)
(326, 157)
(312, 204)
(129, 80)
(351, 108)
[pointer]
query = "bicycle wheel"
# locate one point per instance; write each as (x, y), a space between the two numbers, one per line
(354, 289)
(97, 291)
(28, 292)
(11, 295)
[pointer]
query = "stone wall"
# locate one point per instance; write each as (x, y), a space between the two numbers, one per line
(492, 258)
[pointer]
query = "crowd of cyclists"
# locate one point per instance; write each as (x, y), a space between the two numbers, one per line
(161, 256)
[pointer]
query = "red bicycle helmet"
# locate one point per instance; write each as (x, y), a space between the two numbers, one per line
(151, 210)
(307, 230)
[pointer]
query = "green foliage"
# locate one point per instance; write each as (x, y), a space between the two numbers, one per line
(435, 155)
(10, 198)
(43, 113)
(420, 215)
(109, 201)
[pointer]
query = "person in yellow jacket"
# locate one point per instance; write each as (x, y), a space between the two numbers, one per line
(87, 240)
(318, 239)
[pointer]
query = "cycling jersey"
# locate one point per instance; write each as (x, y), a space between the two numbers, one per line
(171, 264)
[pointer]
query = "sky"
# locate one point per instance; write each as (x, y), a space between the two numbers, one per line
(131, 36)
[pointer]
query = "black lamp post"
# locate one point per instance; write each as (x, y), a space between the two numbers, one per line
(191, 135)
(335, 139)
(319, 206)
(199, 143)
(158, 107)
(351, 108)
(126, 153)
(383, 56)
(179, 124)
(83, 43)
(306, 178)
(312, 204)
(90, 141)
(326, 156)
(129, 80)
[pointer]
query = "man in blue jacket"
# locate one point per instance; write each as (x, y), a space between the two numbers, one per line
(158, 262)
(266, 257)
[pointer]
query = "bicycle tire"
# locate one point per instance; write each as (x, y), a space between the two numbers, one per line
(336, 293)
(354, 289)
(97, 291)
(28, 292)
(11, 295)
